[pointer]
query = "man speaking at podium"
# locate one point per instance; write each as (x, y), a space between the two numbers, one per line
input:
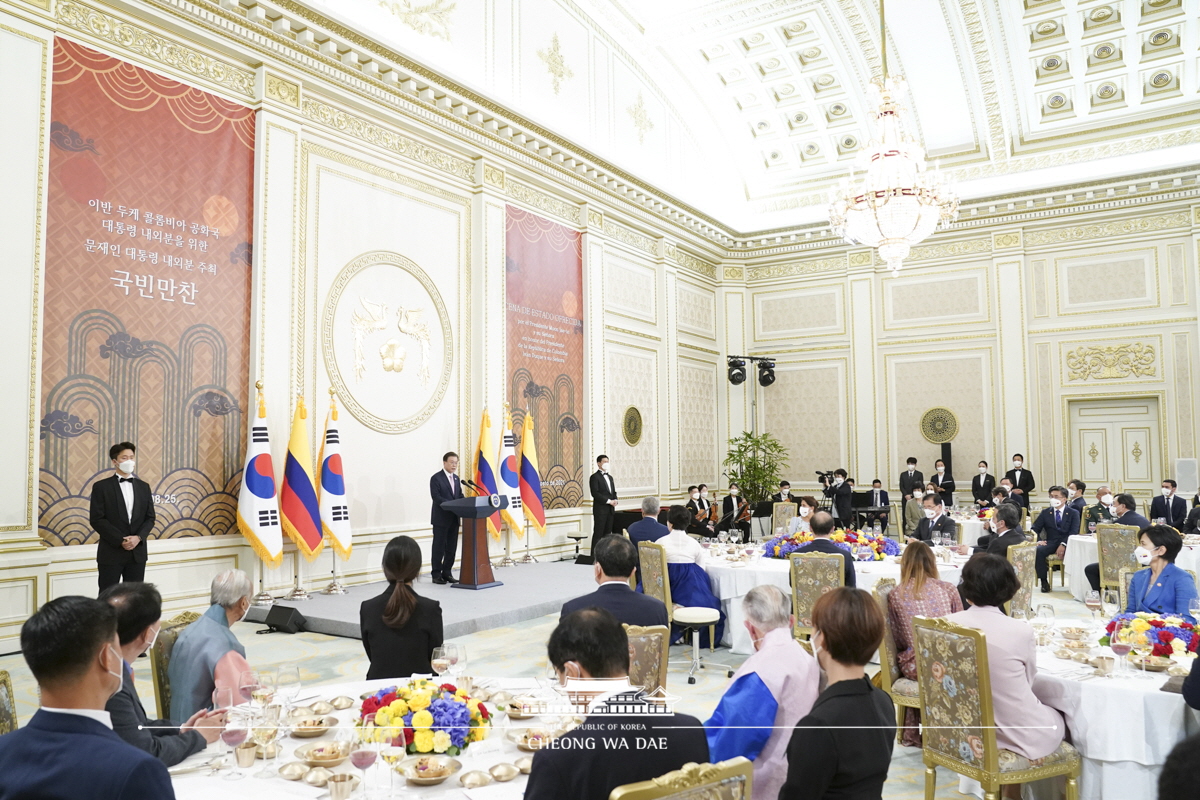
(444, 485)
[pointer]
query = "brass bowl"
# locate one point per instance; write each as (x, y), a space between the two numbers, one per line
(504, 772)
(301, 712)
(294, 771)
(1153, 663)
(328, 754)
(322, 708)
(1063, 654)
(317, 776)
(524, 763)
(312, 727)
(408, 768)
(523, 738)
(1073, 633)
(474, 779)
(516, 709)
(1077, 645)
(342, 703)
(1105, 665)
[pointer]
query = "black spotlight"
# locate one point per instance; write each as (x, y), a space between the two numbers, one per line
(737, 371)
(766, 373)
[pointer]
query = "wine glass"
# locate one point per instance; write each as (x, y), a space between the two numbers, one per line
(363, 752)
(222, 700)
(1120, 642)
(1093, 603)
(234, 734)
(264, 731)
(288, 684)
(722, 537)
(1043, 621)
(393, 752)
(1194, 609)
(440, 661)
(1142, 648)
(458, 661)
(1092, 528)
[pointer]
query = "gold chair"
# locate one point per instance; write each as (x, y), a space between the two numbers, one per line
(8, 704)
(657, 584)
(1056, 564)
(813, 574)
(956, 701)
(1126, 577)
(648, 655)
(160, 659)
(1023, 558)
(1115, 545)
(725, 780)
(903, 691)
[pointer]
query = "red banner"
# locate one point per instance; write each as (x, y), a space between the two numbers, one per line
(544, 288)
(146, 320)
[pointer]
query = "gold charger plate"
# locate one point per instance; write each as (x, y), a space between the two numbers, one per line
(520, 737)
(1153, 663)
(408, 768)
(326, 724)
(338, 754)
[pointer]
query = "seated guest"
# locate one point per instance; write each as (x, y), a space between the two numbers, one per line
(914, 512)
(1164, 588)
(1178, 776)
(1191, 686)
(822, 529)
(400, 628)
(732, 507)
(1001, 495)
(1023, 724)
(921, 593)
(769, 694)
(1077, 501)
(878, 498)
(936, 524)
(139, 611)
(648, 528)
(603, 752)
(1170, 508)
(1053, 526)
(805, 508)
(1101, 512)
(1005, 526)
(701, 523)
(68, 750)
(1192, 523)
(689, 582)
(982, 485)
(1124, 512)
(843, 747)
(207, 654)
(616, 558)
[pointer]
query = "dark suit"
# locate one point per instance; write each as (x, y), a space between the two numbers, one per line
(1191, 686)
(603, 489)
(69, 757)
(778, 497)
(843, 748)
(1192, 523)
(840, 496)
(1079, 504)
(703, 526)
(998, 545)
(628, 606)
(942, 526)
(881, 502)
(113, 522)
(981, 488)
(445, 524)
(573, 770)
(398, 653)
(1024, 482)
(647, 529)
(160, 738)
(728, 519)
(1055, 532)
(946, 482)
(908, 483)
(827, 546)
(1175, 512)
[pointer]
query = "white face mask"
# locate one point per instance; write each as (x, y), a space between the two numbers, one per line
(930, 513)
(983, 470)
(941, 470)
(153, 639)
(911, 468)
(1055, 502)
(1006, 488)
(733, 492)
(606, 465)
(804, 511)
(695, 495)
(704, 493)
(992, 525)
(120, 678)
(1166, 491)
(1107, 499)
(838, 481)
(126, 466)
(1143, 556)
(1016, 465)
(917, 494)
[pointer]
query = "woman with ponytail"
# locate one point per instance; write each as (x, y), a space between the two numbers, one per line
(399, 627)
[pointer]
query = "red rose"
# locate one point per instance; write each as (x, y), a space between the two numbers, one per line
(1111, 626)
(1156, 623)
(1161, 650)
(1166, 637)
(388, 699)
(408, 735)
(1187, 626)
(483, 712)
(448, 687)
(370, 706)
(1192, 644)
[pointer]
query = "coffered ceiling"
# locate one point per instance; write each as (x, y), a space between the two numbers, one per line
(752, 110)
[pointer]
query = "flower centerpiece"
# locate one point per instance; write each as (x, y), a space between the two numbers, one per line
(1170, 636)
(986, 513)
(436, 718)
(849, 540)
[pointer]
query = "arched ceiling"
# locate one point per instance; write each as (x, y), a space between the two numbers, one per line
(751, 110)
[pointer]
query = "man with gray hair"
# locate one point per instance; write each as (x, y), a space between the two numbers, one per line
(207, 655)
(769, 693)
(648, 528)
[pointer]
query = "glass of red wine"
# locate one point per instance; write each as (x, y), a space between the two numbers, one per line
(364, 751)
(234, 735)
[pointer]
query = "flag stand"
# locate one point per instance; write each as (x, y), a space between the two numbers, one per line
(528, 559)
(297, 592)
(336, 587)
(508, 560)
(263, 599)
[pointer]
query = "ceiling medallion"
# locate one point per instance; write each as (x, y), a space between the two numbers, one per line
(1160, 79)
(811, 149)
(756, 38)
(837, 109)
(896, 203)
(1053, 62)
(825, 80)
(1048, 27)
(1101, 14)
(762, 125)
(773, 64)
(774, 155)
(800, 117)
(1056, 101)
(849, 142)
(1106, 91)
(811, 53)
(796, 27)
(1160, 38)
(787, 88)
(1104, 51)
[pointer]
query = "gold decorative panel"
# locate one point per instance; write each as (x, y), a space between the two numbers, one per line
(1041, 305)
(543, 202)
(696, 309)
(1111, 363)
(1184, 394)
(1177, 269)
(632, 380)
(282, 90)
(805, 410)
(1093, 283)
(796, 268)
(698, 447)
(806, 312)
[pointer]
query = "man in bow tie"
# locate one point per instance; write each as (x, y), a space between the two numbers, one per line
(122, 514)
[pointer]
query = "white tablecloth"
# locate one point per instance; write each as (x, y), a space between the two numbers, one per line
(730, 583)
(198, 786)
(969, 531)
(1082, 550)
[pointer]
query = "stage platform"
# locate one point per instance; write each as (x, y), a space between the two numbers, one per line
(529, 591)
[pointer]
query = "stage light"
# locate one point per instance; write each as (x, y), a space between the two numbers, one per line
(766, 373)
(737, 371)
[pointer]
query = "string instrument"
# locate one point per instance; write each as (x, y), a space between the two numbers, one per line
(713, 513)
(743, 511)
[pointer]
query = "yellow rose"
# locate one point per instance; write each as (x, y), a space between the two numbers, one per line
(422, 719)
(461, 693)
(1177, 646)
(404, 693)
(1140, 625)
(419, 702)
(441, 741)
(478, 734)
(382, 717)
(398, 708)
(423, 739)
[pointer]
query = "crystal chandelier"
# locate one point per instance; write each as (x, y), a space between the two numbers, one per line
(897, 203)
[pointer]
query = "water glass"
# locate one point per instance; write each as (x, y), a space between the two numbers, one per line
(1194, 608)
(288, 684)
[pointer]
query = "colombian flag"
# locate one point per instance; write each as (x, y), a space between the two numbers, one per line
(485, 470)
(531, 482)
(298, 497)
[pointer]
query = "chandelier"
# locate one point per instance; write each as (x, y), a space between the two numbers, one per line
(897, 202)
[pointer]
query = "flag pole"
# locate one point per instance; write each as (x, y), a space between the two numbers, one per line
(336, 587)
(298, 592)
(528, 559)
(508, 560)
(263, 599)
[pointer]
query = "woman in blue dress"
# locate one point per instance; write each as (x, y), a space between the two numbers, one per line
(690, 585)
(1164, 588)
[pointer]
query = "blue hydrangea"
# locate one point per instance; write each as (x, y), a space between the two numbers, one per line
(452, 717)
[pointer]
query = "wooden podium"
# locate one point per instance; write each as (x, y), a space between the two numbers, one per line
(475, 571)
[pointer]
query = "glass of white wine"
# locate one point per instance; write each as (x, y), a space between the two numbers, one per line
(458, 660)
(392, 753)
(1142, 648)
(440, 661)
(264, 730)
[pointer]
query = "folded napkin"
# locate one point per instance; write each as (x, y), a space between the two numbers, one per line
(513, 790)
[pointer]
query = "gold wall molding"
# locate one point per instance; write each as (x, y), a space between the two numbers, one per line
(132, 39)
(1006, 239)
(284, 91)
(629, 237)
(543, 202)
(42, 4)
(1112, 362)
(862, 258)
(595, 218)
(628, 332)
(698, 348)
(689, 261)
(796, 268)
(427, 17)
(1110, 325)
(494, 176)
(734, 274)
(1104, 230)
(369, 132)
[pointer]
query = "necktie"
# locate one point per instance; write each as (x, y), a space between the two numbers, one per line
(1058, 519)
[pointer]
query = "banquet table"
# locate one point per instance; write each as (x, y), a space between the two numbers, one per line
(197, 785)
(732, 580)
(1082, 550)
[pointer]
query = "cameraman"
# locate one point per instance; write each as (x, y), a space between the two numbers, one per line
(838, 491)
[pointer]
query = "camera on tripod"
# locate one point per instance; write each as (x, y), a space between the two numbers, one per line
(825, 477)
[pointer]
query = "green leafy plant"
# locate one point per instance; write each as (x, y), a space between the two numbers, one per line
(755, 462)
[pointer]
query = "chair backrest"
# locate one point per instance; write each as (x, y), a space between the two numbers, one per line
(956, 695)
(8, 704)
(782, 515)
(655, 581)
(1123, 588)
(813, 574)
(160, 659)
(889, 665)
(725, 780)
(1116, 544)
(648, 655)
(1023, 558)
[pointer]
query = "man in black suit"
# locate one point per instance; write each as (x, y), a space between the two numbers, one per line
(910, 479)
(936, 523)
(839, 492)
(943, 482)
(616, 559)
(1056, 524)
(1005, 526)
(982, 485)
(784, 495)
(1170, 508)
(822, 529)
(648, 528)
(878, 499)
(444, 485)
(122, 514)
(1021, 480)
(604, 501)
(139, 613)
(1075, 498)
(1124, 511)
(613, 746)
(1192, 523)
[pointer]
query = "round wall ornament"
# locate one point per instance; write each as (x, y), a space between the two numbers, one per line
(631, 426)
(939, 425)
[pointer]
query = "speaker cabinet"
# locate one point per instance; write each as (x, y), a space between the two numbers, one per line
(285, 619)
